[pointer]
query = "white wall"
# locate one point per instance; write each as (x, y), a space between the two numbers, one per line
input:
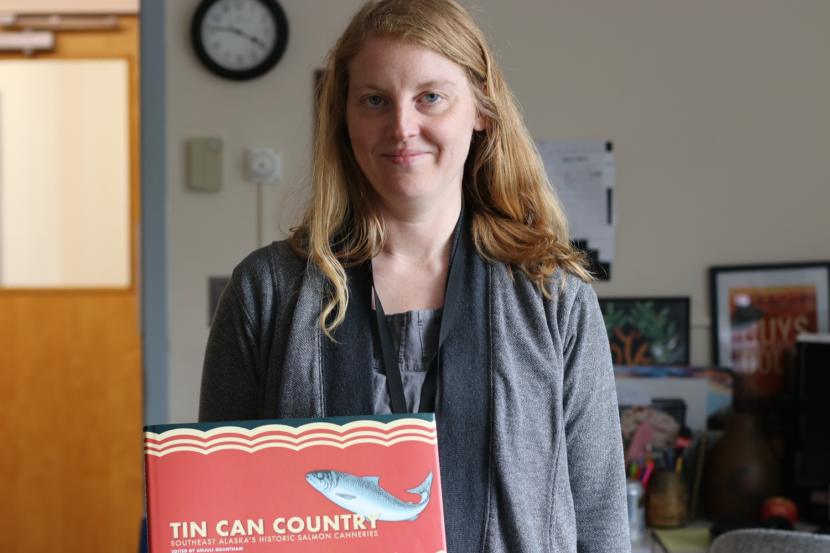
(720, 117)
(718, 111)
(209, 233)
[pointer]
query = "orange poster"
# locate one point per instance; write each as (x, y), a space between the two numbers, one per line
(765, 322)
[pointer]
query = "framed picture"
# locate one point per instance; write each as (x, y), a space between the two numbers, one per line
(757, 313)
(647, 331)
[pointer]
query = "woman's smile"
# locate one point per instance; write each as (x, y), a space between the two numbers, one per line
(405, 158)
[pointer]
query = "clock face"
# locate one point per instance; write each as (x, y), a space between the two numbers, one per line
(239, 39)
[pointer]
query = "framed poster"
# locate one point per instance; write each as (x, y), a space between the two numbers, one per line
(757, 313)
(648, 330)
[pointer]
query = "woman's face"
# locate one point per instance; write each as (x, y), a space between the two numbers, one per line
(411, 115)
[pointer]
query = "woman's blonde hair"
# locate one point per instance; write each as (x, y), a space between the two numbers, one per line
(515, 216)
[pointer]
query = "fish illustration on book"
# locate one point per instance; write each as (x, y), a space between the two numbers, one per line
(363, 495)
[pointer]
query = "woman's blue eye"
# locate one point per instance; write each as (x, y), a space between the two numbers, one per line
(374, 100)
(431, 98)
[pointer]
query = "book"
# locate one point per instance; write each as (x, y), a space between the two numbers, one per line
(344, 484)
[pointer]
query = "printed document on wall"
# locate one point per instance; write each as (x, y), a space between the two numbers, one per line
(583, 174)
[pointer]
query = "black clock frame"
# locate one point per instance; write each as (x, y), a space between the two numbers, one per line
(263, 67)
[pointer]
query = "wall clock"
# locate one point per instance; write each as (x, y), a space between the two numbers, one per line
(239, 39)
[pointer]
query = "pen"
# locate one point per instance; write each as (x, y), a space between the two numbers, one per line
(633, 471)
(647, 473)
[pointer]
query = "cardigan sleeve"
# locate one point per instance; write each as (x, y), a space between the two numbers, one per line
(247, 343)
(230, 386)
(592, 428)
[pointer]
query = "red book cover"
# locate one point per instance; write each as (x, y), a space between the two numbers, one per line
(345, 484)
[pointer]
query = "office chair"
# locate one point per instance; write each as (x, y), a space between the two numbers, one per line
(760, 540)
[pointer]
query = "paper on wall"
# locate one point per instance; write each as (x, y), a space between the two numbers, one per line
(583, 175)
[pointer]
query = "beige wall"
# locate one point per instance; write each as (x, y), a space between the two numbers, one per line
(718, 110)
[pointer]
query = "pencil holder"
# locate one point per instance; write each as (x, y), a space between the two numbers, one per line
(667, 501)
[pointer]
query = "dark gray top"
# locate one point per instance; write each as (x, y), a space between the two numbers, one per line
(415, 336)
(555, 481)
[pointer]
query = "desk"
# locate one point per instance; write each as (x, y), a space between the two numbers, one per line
(689, 534)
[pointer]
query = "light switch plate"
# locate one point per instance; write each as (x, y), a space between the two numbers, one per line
(216, 285)
(204, 164)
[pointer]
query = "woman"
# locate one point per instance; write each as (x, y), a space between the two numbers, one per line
(430, 202)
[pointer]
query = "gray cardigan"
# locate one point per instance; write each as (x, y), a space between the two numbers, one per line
(546, 474)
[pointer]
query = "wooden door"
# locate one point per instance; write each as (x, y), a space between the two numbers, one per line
(70, 396)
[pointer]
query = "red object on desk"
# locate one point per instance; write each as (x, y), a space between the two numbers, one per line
(779, 507)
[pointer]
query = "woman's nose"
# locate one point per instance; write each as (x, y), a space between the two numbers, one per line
(404, 122)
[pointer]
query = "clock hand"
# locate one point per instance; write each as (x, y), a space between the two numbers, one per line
(239, 32)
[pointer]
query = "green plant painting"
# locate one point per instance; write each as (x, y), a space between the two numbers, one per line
(647, 331)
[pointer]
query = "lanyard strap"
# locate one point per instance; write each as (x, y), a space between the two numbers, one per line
(387, 346)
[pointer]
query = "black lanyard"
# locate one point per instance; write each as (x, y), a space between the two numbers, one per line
(387, 346)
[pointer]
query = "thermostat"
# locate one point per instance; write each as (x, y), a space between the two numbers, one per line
(264, 165)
